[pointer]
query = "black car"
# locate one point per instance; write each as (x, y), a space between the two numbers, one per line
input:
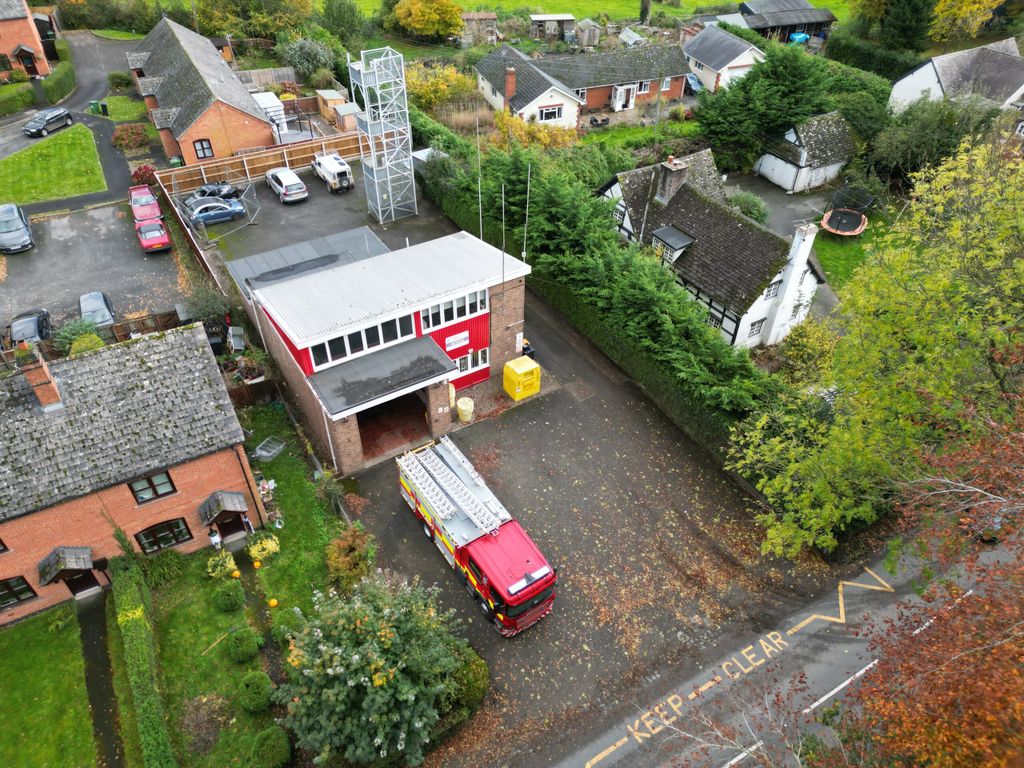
(31, 326)
(15, 233)
(46, 121)
(219, 189)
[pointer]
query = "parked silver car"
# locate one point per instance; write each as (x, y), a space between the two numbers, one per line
(96, 306)
(286, 185)
(15, 233)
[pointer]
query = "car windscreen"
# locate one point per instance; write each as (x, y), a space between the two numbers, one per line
(151, 230)
(10, 224)
(518, 610)
(98, 315)
(143, 198)
(294, 188)
(24, 329)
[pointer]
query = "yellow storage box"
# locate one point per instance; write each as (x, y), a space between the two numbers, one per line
(522, 378)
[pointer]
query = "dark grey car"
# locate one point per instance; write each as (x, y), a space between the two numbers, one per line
(31, 326)
(15, 233)
(96, 306)
(46, 121)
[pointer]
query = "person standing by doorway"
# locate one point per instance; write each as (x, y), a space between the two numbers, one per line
(249, 527)
(215, 538)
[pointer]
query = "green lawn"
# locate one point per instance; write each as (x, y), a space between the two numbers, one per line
(117, 34)
(125, 109)
(636, 135)
(46, 710)
(258, 59)
(186, 624)
(62, 165)
(299, 568)
(840, 256)
(410, 49)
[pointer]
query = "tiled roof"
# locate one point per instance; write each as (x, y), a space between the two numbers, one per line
(701, 174)
(164, 118)
(129, 410)
(715, 48)
(626, 65)
(148, 85)
(195, 75)
(531, 82)
(12, 9)
(732, 258)
(773, 6)
(827, 139)
(789, 18)
(994, 71)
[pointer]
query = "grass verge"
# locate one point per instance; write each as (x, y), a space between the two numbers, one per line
(117, 34)
(123, 692)
(125, 109)
(840, 256)
(308, 525)
(193, 669)
(637, 135)
(63, 165)
(46, 708)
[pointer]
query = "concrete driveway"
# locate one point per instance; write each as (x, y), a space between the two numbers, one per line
(89, 250)
(656, 550)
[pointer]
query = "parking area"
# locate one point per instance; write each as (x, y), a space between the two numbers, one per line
(323, 213)
(656, 549)
(88, 250)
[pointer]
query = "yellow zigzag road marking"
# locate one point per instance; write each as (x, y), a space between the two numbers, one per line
(882, 586)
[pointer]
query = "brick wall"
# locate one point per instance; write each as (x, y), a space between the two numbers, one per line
(15, 32)
(89, 522)
(439, 409)
(348, 445)
(600, 98)
(228, 130)
(169, 144)
(508, 302)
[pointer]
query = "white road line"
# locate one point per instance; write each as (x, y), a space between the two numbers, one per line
(838, 688)
(931, 621)
(740, 758)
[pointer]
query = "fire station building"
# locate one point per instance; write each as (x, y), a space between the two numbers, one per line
(368, 339)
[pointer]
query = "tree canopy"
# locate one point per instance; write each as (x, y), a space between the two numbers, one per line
(429, 18)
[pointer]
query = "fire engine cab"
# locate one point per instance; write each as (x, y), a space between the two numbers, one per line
(496, 560)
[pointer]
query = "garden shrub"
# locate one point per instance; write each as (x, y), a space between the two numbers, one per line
(471, 681)
(254, 692)
(63, 50)
(14, 99)
(207, 304)
(72, 330)
(60, 82)
(427, 132)
(220, 564)
(131, 598)
(281, 634)
(130, 136)
(270, 749)
(350, 557)
(144, 174)
(229, 597)
(262, 545)
(242, 645)
(120, 79)
(322, 78)
(86, 343)
(890, 63)
(163, 568)
(18, 76)
(751, 206)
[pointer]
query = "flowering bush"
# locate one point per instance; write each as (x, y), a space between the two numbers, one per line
(220, 565)
(262, 545)
(350, 558)
(144, 174)
(130, 136)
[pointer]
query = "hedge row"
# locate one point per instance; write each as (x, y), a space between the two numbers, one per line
(427, 132)
(131, 602)
(61, 81)
(14, 98)
(862, 54)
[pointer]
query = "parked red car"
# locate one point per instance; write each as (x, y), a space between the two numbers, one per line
(144, 204)
(153, 235)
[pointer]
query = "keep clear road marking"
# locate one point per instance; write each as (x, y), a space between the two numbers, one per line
(657, 718)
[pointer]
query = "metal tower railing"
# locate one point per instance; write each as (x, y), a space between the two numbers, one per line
(385, 137)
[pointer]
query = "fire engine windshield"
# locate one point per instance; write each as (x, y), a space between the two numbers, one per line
(518, 610)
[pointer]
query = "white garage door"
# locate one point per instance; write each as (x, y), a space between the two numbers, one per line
(777, 171)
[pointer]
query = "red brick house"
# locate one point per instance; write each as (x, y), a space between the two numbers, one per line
(197, 103)
(20, 46)
(139, 435)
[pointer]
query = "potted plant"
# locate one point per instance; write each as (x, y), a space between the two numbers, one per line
(252, 366)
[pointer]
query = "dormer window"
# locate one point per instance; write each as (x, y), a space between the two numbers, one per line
(669, 243)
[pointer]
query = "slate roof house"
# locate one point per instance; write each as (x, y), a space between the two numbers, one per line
(994, 72)
(199, 106)
(718, 57)
(755, 284)
(555, 88)
(778, 19)
(20, 44)
(809, 155)
(140, 435)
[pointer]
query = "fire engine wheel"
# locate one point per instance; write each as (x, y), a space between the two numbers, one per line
(427, 532)
(485, 609)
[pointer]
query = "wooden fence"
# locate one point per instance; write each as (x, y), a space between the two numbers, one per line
(304, 105)
(253, 165)
(261, 78)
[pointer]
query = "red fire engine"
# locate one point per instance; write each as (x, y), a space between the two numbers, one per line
(496, 560)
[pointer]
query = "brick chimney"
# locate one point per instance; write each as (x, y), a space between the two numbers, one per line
(37, 374)
(671, 176)
(510, 85)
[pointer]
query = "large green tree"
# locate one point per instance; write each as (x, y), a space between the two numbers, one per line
(251, 18)
(343, 19)
(932, 340)
(905, 24)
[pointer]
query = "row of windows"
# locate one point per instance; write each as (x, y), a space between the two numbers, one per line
(354, 343)
(475, 359)
(464, 306)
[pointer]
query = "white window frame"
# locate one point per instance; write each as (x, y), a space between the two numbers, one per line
(542, 111)
(666, 84)
(644, 86)
(473, 361)
(480, 297)
(773, 289)
(349, 354)
(581, 94)
(756, 327)
(697, 65)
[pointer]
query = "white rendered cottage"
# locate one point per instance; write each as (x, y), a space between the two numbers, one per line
(718, 57)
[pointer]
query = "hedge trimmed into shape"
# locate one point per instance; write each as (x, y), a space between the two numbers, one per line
(14, 98)
(61, 80)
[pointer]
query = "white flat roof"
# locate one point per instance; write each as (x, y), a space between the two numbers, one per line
(319, 305)
(552, 17)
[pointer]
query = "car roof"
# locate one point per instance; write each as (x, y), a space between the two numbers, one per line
(93, 297)
(285, 173)
(52, 111)
(140, 188)
(8, 208)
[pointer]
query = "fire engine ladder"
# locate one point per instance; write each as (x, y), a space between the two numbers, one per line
(491, 503)
(427, 488)
(485, 519)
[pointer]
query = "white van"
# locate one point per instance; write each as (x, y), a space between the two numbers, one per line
(334, 171)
